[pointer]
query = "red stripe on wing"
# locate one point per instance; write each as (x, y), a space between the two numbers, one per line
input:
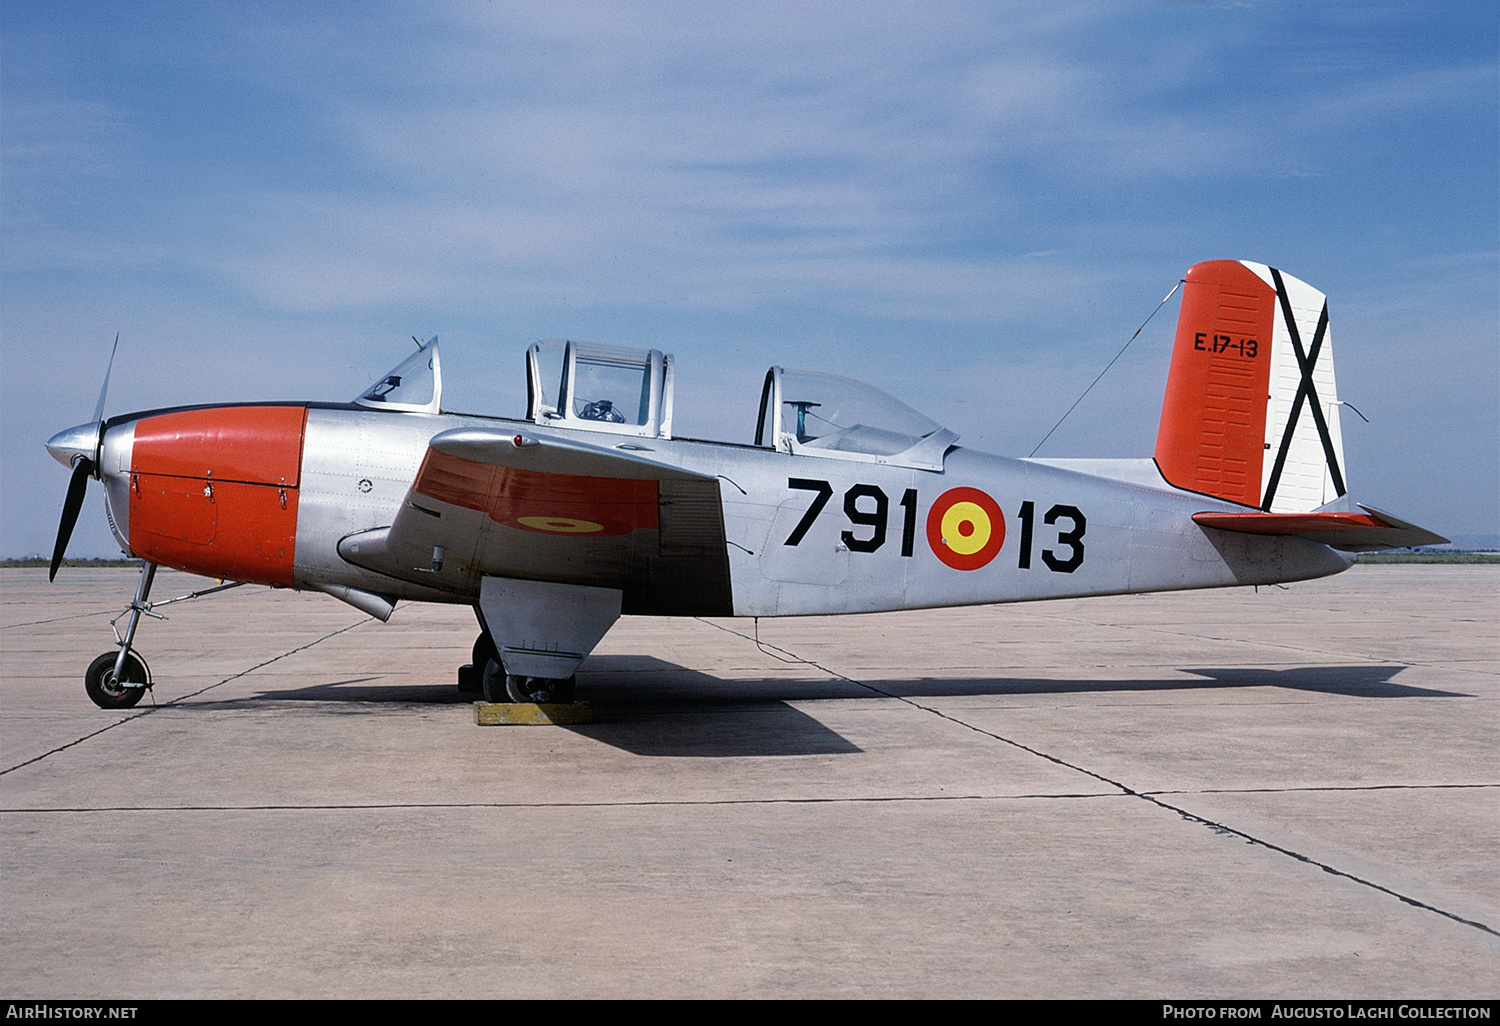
(508, 494)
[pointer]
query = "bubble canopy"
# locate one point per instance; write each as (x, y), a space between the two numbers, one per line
(813, 413)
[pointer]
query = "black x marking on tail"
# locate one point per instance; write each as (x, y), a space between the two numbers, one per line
(1306, 392)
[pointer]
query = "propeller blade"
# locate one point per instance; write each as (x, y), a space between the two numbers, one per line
(71, 505)
(99, 408)
(65, 445)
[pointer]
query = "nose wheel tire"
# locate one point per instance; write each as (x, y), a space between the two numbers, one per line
(109, 693)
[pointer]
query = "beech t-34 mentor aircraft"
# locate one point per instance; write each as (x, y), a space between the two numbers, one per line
(846, 501)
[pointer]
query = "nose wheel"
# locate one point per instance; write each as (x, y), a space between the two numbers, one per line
(109, 691)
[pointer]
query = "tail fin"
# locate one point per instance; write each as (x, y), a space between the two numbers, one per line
(1251, 411)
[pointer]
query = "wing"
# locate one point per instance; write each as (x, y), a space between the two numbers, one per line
(1352, 532)
(487, 502)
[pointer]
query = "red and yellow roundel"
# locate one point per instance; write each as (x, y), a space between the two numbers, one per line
(561, 525)
(965, 528)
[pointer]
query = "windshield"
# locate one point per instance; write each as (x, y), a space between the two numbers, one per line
(412, 384)
(614, 391)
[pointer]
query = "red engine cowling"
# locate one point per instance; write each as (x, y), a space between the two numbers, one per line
(214, 491)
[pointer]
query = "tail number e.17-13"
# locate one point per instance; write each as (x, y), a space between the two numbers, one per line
(965, 526)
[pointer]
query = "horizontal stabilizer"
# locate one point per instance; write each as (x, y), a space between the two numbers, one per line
(1352, 532)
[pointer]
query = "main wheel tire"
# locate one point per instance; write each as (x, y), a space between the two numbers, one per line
(539, 689)
(492, 682)
(105, 691)
(484, 650)
(471, 677)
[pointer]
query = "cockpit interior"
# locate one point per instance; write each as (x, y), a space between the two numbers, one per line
(595, 386)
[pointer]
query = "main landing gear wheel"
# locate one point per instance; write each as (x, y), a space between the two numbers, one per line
(484, 650)
(498, 686)
(539, 689)
(492, 681)
(471, 677)
(108, 693)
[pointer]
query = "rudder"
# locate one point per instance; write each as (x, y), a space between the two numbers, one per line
(1251, 408)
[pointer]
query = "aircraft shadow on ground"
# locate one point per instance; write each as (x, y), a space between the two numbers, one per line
(645, 706)
(651, 707)
(1354, 681)
(1351, 681)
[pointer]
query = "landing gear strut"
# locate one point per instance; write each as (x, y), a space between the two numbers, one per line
(117, 680)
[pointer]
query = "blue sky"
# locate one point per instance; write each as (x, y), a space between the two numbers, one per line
(969, 205)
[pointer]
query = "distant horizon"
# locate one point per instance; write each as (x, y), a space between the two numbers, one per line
(1476, 544)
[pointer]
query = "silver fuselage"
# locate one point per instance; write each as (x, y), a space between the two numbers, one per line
(1067, 528)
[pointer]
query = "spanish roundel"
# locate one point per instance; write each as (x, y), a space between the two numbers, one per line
(965, 528)
(564, 525)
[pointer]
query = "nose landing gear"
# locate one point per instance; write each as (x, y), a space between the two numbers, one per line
(117, 680)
